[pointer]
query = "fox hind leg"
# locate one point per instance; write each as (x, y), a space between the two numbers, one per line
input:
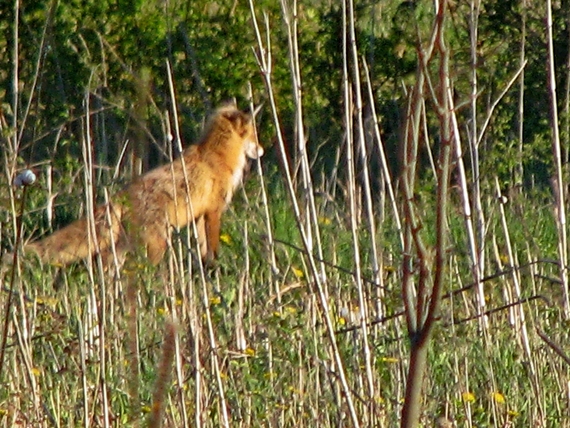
(156, 245)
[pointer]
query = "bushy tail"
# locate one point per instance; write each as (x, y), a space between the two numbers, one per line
(73, 243)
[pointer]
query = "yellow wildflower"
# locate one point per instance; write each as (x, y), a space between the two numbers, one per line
(498, 397)
(297, 272)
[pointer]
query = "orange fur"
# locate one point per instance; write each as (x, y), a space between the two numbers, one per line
(199, 185)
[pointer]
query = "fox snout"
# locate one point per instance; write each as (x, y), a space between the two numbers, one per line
(253, 149)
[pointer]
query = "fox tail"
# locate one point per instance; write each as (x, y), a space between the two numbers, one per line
(75, 241)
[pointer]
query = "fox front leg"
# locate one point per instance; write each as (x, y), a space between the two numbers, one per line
(201, 235)
(212, 227)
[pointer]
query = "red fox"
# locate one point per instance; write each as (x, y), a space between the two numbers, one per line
(197, 186)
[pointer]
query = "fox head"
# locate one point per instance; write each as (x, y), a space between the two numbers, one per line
(241, 123)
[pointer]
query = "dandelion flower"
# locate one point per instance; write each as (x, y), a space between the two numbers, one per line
(498, 398)
(225, 238)
(298, 272)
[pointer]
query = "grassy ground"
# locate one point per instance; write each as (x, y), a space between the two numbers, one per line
(247, 345)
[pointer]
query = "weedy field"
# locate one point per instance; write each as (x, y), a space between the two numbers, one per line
(247, 344)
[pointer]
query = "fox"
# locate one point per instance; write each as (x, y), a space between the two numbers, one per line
(198, 186)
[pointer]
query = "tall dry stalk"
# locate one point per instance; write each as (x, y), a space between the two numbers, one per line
(15, 78)
(97, 312)
(566, 113)
(558, 180)
(476, 235)
(519, 171)
(11, 152)
(85, 386)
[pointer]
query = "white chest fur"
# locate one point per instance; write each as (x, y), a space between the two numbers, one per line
(237, 176)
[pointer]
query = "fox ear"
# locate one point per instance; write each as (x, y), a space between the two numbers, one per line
(234, 115)
(252, 114)
(239, 120)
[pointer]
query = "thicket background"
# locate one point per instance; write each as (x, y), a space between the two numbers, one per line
(98, 69)
(117, 52)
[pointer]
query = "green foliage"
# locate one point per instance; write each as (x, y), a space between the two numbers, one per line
(118, 53)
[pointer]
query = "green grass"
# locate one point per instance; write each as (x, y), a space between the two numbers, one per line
(274, 358)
